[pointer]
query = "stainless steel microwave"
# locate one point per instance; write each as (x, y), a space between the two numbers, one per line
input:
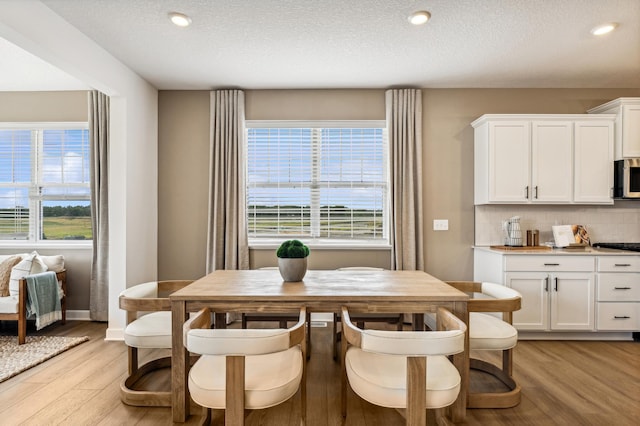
(626, 178)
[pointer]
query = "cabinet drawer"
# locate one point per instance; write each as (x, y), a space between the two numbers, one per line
(618, 316)
(619, 287)
(619, 263)
(550, 263)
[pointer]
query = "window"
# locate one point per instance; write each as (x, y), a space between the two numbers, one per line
(323, 182)
(44, 181)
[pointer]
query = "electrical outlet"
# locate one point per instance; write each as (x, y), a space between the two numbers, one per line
(441, 225)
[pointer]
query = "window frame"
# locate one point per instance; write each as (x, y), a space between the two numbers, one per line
(35, 200)
(271, 243)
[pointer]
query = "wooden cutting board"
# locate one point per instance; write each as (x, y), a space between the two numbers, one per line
(524, 248)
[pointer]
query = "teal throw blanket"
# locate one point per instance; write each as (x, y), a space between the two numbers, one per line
(43, 298)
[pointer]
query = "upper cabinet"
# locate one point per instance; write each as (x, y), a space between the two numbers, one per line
(543, 159)
(627, 127)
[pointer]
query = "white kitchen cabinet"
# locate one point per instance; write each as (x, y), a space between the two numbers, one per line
(562, 292)
(557, 292)
(534, 310)
(529, 159)
(627, 125)
(572, 301)
(502, 162)
(618, 294)
(593, 162)
(551, 161)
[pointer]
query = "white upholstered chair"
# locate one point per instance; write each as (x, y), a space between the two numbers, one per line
(404, 369)
(148, 327)
(245, 368)
(491, 329)
(361, 318)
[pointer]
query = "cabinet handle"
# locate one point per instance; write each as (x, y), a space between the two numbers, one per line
(622, 317)
(622, 288)
(535, 192)
(526, 192)
(551, 264)
(622, 264)
(555, 288)
(546, 284)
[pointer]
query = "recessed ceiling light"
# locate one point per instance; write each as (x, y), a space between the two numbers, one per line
(180, 19)
(604, 29)
(420, 17)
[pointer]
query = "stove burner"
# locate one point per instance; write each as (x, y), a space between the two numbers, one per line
(619, 246)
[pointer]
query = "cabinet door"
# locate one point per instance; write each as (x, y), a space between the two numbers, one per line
(509, 172)
(534, 288)
(572, 301)
(631, 131)
(593, 162)
(551, 161)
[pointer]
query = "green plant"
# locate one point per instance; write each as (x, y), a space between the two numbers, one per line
(292, 249)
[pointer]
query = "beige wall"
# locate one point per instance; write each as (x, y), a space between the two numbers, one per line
(448, 165)
(42, 107)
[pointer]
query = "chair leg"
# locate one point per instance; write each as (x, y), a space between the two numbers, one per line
(206, 418)
(22, 330)
(133, 360)
(335, 337)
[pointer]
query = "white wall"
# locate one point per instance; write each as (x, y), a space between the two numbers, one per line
(133, 139)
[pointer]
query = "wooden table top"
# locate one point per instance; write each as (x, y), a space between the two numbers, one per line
(329, 285)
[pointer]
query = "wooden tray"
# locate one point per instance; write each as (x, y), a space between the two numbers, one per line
(523, 248)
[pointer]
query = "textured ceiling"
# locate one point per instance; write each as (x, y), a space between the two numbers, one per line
(262, 44)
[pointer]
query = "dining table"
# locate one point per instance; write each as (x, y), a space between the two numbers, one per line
(326, 291)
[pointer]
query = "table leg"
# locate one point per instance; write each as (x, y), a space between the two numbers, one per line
(179, 364)
(461, 361)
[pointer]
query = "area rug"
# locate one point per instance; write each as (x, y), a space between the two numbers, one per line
(16, 358)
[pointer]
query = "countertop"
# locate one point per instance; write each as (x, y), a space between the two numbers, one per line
(589, 251)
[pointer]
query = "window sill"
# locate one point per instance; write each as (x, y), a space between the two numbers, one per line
(322, 245)
(48, 245)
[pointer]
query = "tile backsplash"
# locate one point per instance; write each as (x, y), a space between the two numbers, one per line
(617, 223)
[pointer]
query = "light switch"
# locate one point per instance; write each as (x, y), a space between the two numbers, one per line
(441, 225)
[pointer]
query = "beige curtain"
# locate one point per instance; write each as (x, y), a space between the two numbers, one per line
(99, 150)
(404, 121)
(227, 244)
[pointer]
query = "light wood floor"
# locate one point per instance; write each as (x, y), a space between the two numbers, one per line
(563, 383)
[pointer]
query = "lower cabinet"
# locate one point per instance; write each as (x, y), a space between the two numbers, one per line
(618, 295)
(567, 292)
(561, 301)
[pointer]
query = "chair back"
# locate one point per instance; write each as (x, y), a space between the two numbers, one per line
(237, 341)
(498, 291)
(413, 343)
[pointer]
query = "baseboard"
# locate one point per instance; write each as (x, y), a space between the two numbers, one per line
(78, 315)
(114, 334)
(541, 335)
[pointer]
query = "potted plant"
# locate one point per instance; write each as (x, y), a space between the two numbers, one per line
(292, 260)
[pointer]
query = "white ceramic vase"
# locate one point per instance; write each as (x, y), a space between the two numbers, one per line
(292, 269)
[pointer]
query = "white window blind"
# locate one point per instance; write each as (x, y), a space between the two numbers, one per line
(325, 183)
(44, 181)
